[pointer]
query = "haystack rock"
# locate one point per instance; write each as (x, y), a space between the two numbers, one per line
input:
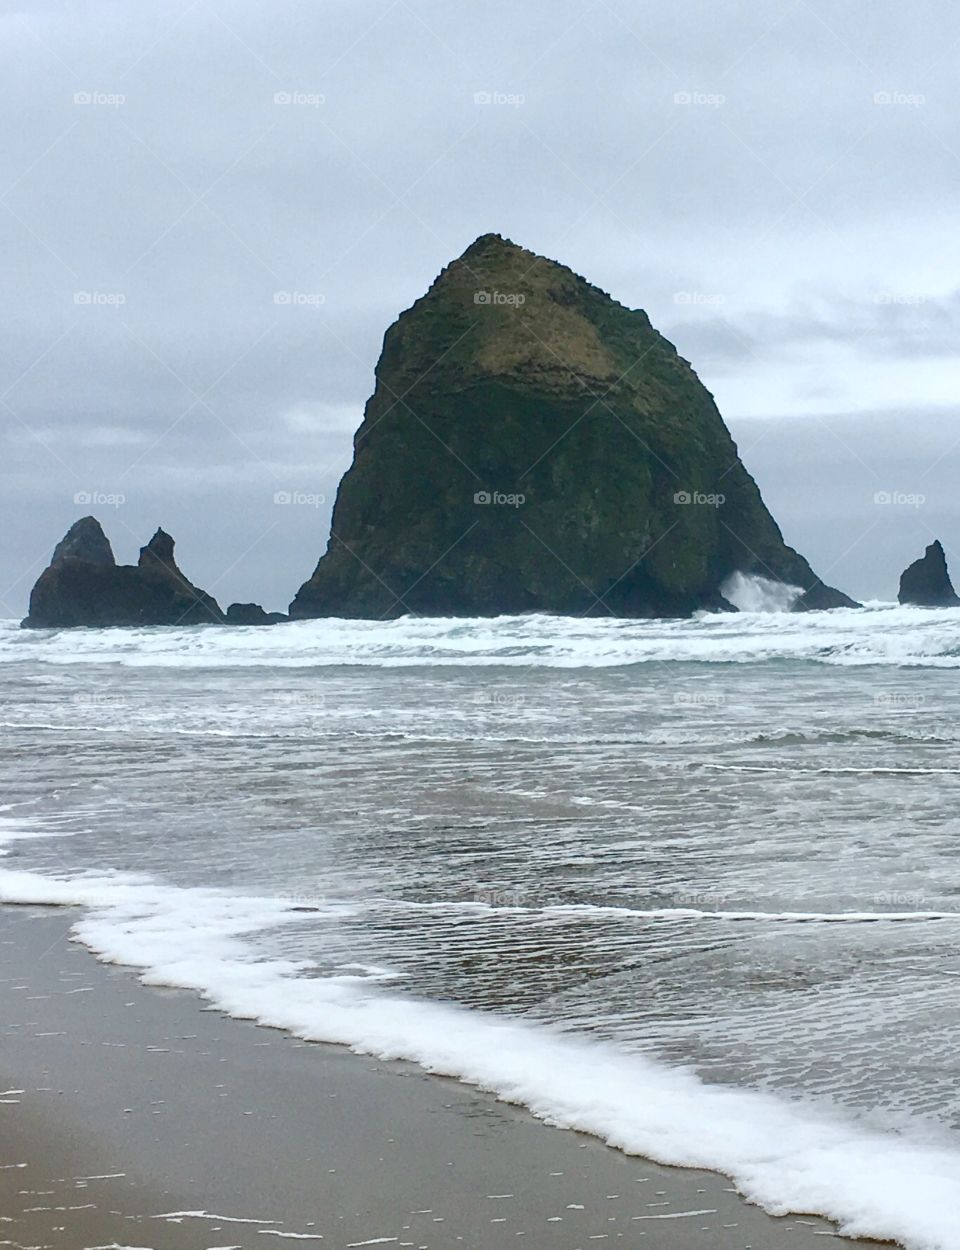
(84, 585)
(926, 583)
(531, 445)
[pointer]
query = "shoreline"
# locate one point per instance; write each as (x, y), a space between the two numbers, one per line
(140, 1117)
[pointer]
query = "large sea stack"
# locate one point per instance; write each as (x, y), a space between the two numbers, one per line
(84, 585)
(926, 583)
(531, 445)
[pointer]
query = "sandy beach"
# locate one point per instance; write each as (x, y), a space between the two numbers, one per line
(133, 1117)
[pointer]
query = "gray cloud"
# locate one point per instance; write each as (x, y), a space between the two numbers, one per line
(859, 494)
(906, 325)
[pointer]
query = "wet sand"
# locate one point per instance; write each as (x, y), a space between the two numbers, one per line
(134, 1117)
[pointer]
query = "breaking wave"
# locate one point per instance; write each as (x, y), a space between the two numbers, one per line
(749, 593)
(880, 634)
(786, 1156)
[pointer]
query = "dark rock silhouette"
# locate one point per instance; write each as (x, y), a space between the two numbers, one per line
(85, 540)
(821, 598)
(531, 445)
(84, 585)
(926, 583)
(253, 614)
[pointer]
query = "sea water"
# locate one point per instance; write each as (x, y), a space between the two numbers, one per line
(693, 886)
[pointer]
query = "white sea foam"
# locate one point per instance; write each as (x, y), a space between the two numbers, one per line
(759, 594)
(880, 634)
(786, 1156)
(177, 1217)
(19, 830)
(663, 913)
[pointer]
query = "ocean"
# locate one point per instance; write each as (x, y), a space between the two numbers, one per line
(691, 886)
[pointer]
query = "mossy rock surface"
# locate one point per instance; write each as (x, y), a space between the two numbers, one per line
(531, 445)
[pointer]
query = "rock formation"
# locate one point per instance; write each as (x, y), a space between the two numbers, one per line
(84, 585)
(926, 583)
(253, 614)
(531, 445)
(86, 541)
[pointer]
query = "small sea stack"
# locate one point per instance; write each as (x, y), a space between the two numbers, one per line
(926, 583)
(253, 614)
(84, 586)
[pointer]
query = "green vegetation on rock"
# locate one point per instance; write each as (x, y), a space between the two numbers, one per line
(531, 445)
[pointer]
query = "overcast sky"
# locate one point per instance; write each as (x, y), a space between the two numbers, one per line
(212, 210)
